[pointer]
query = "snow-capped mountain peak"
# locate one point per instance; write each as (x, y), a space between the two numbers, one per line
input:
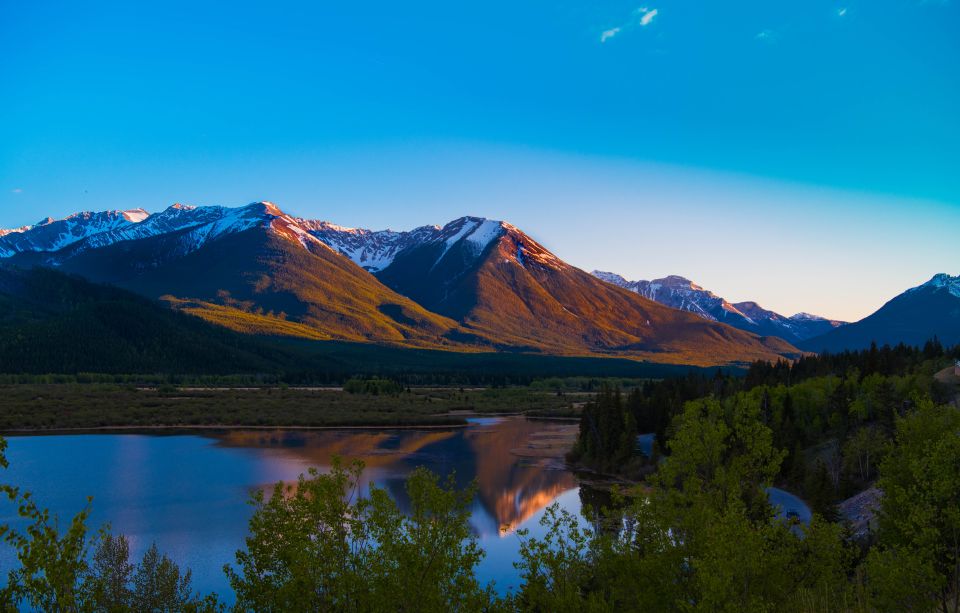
(678, 292)
(682, 293)
(375, 250)
(52, 235)
(801, 316)
(610, 277)
(941, 281)
(90, 230)
(476, 232)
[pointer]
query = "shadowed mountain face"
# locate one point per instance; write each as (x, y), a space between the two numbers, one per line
(50, 322)
(913, 317)
(474, 284)
(681, 293)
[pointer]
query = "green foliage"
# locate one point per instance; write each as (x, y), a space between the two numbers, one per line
(53, 562)
(721, 453)
(557, 570)
(57, 573)
(608, 432)
(158, 584)
(918, 561)
(705, 539)
(863, 452)
(320, 546)
(112, 573)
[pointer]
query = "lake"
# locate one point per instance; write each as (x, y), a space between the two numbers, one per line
(188, 492)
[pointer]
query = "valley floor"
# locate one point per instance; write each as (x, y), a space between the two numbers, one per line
(64, 407)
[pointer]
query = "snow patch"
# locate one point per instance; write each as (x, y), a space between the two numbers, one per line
(135, 215)
(485, 233)
(807, 317)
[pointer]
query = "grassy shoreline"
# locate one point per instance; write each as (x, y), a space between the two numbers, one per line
(174, 429)
(40, 408)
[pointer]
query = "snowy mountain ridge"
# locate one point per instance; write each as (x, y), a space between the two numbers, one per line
(53, 235)
(679, 293)
(376, 250)
(372, 250)
(682, 293)
(940, 281)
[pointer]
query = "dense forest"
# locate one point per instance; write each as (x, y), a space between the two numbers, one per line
(826, 427)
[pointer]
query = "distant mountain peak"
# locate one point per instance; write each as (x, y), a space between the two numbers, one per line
(802, 316)
(476, 232)
(913, 317)
(941, 281)
(609, 277)
(681, 293)
(135, 215)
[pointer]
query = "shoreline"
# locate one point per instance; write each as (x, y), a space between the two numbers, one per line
(217, 427)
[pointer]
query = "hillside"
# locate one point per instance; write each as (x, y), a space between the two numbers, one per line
(53, 323)
(257, 282)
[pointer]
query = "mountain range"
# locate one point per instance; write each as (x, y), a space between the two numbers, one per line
(681, 293)
(471, 285)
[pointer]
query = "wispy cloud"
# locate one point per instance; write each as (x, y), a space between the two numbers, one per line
(16, 190)
(767, 36)
(608, 34)
(841, 11)
(646, 16)
(641, 17)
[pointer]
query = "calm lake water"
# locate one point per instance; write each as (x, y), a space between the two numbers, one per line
(188, 493)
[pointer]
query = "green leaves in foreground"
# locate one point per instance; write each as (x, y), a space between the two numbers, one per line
(321, 546)
(917, 565)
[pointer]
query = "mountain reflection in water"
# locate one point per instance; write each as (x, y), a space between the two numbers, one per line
(187, 492)
(517, 463)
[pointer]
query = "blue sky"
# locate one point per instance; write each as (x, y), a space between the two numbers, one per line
(802, 154)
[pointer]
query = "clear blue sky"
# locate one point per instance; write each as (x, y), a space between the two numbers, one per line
(805, 154)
